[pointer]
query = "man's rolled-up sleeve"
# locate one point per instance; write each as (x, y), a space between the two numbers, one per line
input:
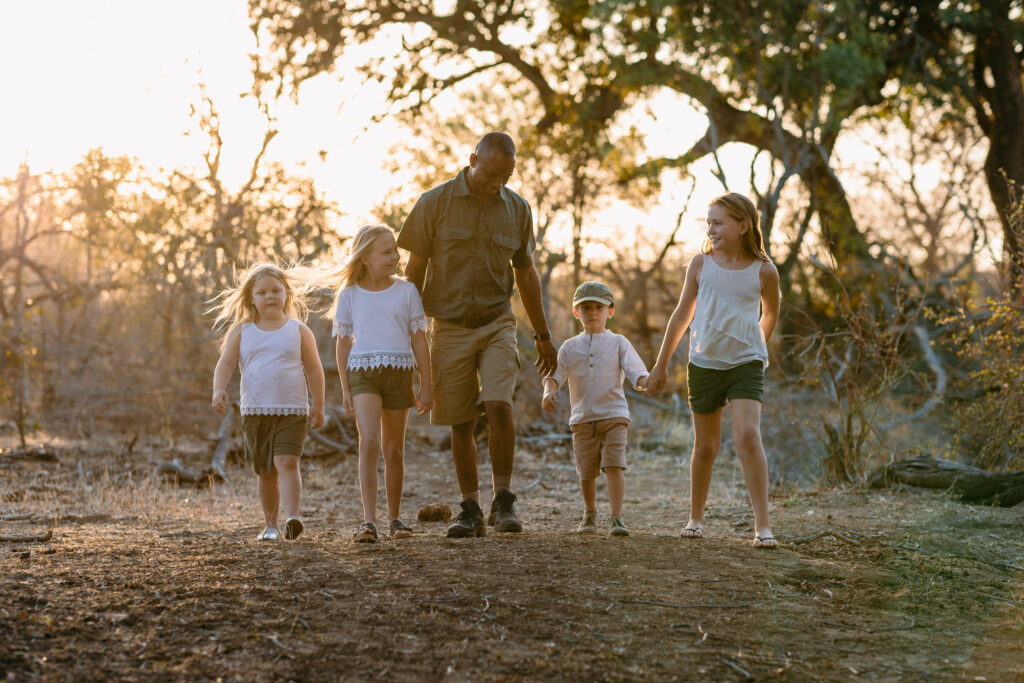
(417, 233)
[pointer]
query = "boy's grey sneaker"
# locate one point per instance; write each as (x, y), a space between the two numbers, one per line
(469, 523)
(589, 523)
(618, 526)
(503, 512)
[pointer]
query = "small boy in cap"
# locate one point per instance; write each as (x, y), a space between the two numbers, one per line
(595, 363)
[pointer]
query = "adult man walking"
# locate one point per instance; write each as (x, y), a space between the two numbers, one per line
(471, 242)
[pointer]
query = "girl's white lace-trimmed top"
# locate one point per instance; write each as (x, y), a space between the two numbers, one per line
(273, 379)
(725, 330)
(380, 324)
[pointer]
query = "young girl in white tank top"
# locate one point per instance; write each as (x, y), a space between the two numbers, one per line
(731, 297)
(278, 358)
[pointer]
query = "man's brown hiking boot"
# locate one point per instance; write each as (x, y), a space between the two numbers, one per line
(469, 523)
(503, 512)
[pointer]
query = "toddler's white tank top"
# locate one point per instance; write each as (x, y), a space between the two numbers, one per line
(273, 380)
(725, 330)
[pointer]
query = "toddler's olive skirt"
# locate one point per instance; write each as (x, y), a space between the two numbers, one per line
(268, 435)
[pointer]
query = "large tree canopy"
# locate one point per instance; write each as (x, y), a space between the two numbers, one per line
(784, 76)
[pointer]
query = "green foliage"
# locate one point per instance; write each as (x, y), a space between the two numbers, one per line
(989, 419)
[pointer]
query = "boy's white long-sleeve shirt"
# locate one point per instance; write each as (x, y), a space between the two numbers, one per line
(595, 365)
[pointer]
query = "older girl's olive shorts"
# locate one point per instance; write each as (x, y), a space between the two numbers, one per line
(393, 385)
(711, 389)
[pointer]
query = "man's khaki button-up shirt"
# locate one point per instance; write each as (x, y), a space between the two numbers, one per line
(471, 245)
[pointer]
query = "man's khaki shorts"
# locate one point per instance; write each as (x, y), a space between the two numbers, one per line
(597, 445)
(471, 366)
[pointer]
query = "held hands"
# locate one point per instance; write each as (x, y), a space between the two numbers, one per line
(549, 402)
(547, 358)
(424, 399)
(656, 380)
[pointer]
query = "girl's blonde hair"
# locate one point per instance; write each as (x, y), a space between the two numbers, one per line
(739, 208)
(352, 267)
(234, 305)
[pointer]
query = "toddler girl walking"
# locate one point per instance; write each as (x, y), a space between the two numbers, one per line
(278, 358)
(381, 330)
(731, 295)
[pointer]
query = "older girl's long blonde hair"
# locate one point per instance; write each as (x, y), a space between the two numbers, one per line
(739, 208)
(352, 267)
(234, 305)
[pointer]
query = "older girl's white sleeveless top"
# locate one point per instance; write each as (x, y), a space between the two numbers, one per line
(725, 330)
(273, 379)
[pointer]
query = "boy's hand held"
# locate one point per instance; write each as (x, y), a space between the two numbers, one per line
(656, 380)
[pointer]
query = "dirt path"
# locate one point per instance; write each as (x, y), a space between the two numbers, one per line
(145, 581)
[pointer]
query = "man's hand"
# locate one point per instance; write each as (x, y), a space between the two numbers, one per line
(549, 402)
(547, 358)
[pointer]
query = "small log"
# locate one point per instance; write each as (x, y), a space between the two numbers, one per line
(36, 538)
(174, 471)
(970, 484)
(318, 437)
(31, 453)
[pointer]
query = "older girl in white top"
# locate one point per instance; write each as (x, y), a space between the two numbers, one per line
(278, 358)
(381, 330)
(731, 295)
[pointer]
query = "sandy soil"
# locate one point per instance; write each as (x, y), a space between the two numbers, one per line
(146, 580)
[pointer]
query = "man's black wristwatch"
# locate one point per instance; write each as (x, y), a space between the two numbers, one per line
(544, 336)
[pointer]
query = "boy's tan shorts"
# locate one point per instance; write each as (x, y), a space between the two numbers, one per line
(599, 444)
(470, 366)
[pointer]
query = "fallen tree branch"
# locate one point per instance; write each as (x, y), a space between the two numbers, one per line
(657, 603)
(971, 484)
(36, 538)
(174, 471)
(228, 427)
(828, 533)
(315, 435)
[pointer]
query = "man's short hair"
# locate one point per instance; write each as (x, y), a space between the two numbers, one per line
(496, 143)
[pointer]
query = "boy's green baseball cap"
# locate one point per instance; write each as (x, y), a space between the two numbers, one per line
(593, 291)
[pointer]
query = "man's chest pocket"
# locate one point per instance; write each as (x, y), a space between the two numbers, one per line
(501, 249)
(457, 246)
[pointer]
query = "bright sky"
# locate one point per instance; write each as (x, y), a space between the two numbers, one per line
(122, 74)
